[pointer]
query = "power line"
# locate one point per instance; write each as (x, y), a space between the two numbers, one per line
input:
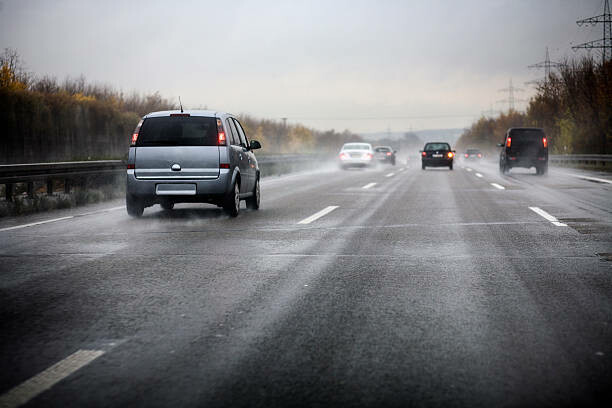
(605, 43)
(384, 117)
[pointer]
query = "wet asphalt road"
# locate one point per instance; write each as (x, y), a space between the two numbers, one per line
(428, 288)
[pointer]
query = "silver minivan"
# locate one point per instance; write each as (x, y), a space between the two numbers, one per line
(191, 156)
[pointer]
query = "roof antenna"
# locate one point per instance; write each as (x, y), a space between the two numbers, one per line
(181, 104)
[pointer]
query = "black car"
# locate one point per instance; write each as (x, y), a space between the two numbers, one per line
(385, 154)
(437, 154)
(524, 147)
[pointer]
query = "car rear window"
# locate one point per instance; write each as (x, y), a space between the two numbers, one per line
(520, 136)
(473, 151)
(356, 146)
(178, 131)
(382, 149)
(437, 146)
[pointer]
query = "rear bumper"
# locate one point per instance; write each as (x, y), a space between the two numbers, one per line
(527, 163)
(441, 162)
(356, 162)
(213, 190)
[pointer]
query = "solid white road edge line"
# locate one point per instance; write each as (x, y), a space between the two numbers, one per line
(390, 175)
(478, 175)
(368, 185)
(318, 215)
(600, 180)
(498, 186)
(41, 382)
(36, 223)
(547, 216)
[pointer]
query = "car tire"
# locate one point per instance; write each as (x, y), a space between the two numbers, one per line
(252, 202)
(135, 206)
(232, 201)
(167, 205)
(422, 166)
(450, 167)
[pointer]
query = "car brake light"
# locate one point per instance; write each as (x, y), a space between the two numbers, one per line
(423, 154)
(388, 153)
(131, 166)
(545, 142)
(184, 115)
(369, 155)
(508, 141)
(135, 133)
(467, 155)
(221, 133)
(450, 155)
(343, 156)
(224, 166)
(479, 155)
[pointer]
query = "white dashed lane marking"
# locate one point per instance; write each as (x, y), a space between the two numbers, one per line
(547, 216)
(478, 175)
(390, 175)
(318, 215)
(498, 186)
(468, 169)
(41, 382)
(369, 185)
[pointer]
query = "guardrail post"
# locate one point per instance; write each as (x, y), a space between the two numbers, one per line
(8, 191)
(30, 189)
(49, 187)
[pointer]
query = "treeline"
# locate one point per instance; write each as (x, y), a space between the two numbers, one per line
(45, 120)
(573, 106)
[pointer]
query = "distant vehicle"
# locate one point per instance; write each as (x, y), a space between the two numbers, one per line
(473, 154)
(385, 154)
(524, 147)
(437, 155)
(356, 155)
(191, 156)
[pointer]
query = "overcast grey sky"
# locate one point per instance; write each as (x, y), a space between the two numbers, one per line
(328, 64)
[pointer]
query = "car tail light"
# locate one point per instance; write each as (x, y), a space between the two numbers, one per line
(479, 155)
(450, 155)
(135, 133)
(508, 141)
(221, 133)
(369, 155)
(388, 153)
(512, 158)
(343, 156)
(131, 166)
(467, 155)
(224, 166)
(424, 154)
(184, 115)
(545, 142)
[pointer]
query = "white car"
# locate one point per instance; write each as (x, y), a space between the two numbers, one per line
(356, 155)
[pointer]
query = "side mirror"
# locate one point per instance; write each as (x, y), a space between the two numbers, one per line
(395, 151)
(500, 145)
(255, 145)
(454, 151)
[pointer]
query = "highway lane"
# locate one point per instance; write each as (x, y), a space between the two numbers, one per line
(427, 288)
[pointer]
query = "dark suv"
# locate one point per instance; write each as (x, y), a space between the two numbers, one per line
(524, 147)
(437, 155)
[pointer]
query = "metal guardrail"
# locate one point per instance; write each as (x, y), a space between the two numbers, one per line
(70, 172)
(587, 159)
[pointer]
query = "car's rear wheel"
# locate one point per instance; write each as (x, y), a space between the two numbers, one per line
(252, 202)
(232, 201)
(450, 166)
(135, 206)
(422, 166)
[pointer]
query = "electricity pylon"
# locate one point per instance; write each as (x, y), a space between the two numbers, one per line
(547, 64)
(605, 43)
(511, 100)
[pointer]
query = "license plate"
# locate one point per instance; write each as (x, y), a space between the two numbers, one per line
(437, 155)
